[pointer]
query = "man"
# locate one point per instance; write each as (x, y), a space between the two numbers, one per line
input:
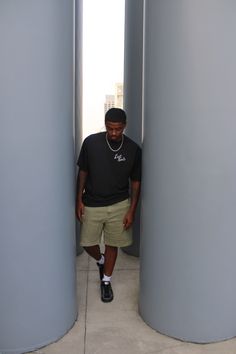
(108, 161)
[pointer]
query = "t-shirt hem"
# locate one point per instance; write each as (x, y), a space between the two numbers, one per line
(104, 203)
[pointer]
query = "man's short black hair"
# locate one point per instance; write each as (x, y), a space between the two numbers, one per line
(116, 115)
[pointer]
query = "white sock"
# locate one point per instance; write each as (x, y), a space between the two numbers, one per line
(106, 278)
(101, 260)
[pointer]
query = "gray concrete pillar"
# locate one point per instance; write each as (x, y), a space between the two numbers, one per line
(133, 65)
(188, 262)
(37, 228)
(78, 94)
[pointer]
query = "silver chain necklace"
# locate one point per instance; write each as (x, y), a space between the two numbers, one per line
(115, 150)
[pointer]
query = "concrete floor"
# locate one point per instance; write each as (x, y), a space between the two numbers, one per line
(116, 327)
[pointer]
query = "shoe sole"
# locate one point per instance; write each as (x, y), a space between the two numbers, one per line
(107, 299)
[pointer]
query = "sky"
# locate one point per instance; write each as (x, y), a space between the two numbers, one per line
(103, 57)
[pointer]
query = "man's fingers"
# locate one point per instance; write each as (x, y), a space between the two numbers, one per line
(126, 224)
(80, 214)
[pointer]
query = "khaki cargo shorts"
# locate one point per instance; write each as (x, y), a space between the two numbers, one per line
(106, 221)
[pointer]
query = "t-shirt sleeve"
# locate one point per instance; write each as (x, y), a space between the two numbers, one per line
(83, 157)
(137, 167)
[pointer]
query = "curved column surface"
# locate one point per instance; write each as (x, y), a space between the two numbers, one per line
(133, 71)
(188, 262)
(78, 94)
(37, 228)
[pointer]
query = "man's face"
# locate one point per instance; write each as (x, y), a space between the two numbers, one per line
(114, 130)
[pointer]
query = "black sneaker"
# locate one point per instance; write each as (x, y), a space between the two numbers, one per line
(106, 291)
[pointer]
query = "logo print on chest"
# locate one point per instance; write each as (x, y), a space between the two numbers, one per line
(119, 157)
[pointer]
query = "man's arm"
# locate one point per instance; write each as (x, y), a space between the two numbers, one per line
(81, 179)
(135, 193)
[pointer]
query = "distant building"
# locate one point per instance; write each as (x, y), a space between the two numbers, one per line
(119, 95)
(109, 102)
(115, 100)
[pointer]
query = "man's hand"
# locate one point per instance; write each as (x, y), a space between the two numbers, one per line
(81, 179)
(128, 219)
(129, 216)
(80, 211)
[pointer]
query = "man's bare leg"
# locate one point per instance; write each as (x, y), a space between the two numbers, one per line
(110, 259)
(110, 256)
(94, 251)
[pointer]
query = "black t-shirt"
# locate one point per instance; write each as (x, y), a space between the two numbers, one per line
(108, 172)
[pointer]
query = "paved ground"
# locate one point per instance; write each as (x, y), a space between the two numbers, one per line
(116, 327)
